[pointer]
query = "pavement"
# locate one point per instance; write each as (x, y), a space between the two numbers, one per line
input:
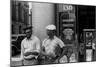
(16, 61)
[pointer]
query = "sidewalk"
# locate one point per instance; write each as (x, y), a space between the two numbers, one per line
(16, 61)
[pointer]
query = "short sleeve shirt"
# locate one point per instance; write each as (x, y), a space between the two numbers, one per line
(50, 45)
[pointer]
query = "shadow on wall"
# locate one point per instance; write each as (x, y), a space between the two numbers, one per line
(42, 15)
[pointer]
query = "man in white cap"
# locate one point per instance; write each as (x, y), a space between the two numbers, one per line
(30, 47)
(51, 45)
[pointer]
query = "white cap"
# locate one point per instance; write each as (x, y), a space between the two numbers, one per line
(51, 27)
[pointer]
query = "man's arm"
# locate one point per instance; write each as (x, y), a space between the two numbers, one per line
(43, 47)
(61, 43)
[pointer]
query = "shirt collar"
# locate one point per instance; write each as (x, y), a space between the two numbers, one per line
(30, 38)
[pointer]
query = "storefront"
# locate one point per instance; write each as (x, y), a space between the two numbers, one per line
(67, 30)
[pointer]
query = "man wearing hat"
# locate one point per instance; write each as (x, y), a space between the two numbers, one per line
(30, 47)
(51, 45)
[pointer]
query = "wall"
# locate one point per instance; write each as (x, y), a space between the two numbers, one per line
(42, 15)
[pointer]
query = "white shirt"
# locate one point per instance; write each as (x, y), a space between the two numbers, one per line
(30, 45)
(50, 45)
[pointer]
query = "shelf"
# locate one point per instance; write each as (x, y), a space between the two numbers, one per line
(68, 25)
(68, 20)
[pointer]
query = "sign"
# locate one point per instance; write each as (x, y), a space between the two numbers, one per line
(67, 7)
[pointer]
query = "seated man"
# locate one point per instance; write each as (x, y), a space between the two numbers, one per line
(30, 47)
(51, 47)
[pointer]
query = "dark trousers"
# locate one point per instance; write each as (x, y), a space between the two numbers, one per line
(46, 60)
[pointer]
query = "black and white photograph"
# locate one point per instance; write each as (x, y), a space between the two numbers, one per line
(44, 33)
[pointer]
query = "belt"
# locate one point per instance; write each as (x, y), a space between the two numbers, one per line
(32, 58)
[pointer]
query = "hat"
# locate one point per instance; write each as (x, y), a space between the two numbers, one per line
(28, 27)
(51, 27)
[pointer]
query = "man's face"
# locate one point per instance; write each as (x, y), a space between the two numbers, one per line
(28, 33)
(50, 33)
